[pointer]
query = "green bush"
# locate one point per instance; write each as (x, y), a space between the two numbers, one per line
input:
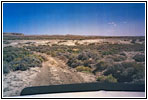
(83, 69)
(107, 53)
(20, 59)
(86, 55)
(73, 62)
(108, 78)
(6, 67)
(100, 66)
(85, 58)
(126, 71)
(139, 58)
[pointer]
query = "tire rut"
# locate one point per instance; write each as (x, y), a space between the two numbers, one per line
(55, 72)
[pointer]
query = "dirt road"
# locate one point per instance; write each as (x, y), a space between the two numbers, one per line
(52, 72)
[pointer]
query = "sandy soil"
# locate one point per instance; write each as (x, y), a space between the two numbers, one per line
(63, 42)
(14, 82)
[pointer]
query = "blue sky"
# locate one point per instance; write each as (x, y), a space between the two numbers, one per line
(105, 19)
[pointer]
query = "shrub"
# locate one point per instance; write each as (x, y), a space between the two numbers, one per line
(141, 39)
(29, 43)
(62, 41)
(84, 58)
(6, 42)
(126, 71)
(107, 53)
(109, 79)
(119, 58)
(123, 54)
(20, 59)
(54, 45)
(91, 44)
(100, 66)
(86, 55)
(26, 62)
(53, 54)
(73, 62)
(133, 41)
(83, 69)
(116, 48)
(89, 62)
(77, 43)
(6, 67)
(139, 58)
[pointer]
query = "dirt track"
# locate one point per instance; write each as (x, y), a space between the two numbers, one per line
(52, 72)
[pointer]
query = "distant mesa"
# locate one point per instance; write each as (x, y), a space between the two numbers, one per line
(13, 34)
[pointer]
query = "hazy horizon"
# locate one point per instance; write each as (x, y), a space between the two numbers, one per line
(90, 19)
(75, 35)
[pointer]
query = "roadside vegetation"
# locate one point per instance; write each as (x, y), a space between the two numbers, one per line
(108, 79)
(127, 72)
(109, 62)
(106, 61)
(19, 59)
(139, 58)
(6, 42)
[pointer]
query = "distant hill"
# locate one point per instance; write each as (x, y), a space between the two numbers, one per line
(11, 34)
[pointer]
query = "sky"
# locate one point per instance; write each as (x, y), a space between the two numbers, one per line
(101, 19)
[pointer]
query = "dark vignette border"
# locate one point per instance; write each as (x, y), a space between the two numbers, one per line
(83, 91)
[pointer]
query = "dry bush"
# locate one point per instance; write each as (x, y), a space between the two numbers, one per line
(109, 79)
(139, 58)
(119, 58)
(20, 59)
(126, 71)
(83, 69)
